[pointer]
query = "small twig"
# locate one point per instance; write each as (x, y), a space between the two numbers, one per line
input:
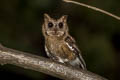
(40, 64)
(94, 8)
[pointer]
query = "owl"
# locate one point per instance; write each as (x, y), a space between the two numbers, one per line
(59, 45)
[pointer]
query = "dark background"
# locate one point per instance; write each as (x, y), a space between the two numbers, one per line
(96, 34)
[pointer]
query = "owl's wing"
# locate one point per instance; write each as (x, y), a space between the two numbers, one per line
(72, 46)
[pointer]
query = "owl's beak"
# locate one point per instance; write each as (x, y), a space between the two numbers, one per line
(55, 30)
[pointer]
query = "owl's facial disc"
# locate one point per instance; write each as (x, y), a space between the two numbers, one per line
(55, 28)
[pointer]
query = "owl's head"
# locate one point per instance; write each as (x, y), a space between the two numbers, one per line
(55, 27)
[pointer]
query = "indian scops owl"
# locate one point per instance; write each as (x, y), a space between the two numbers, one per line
(59, 45)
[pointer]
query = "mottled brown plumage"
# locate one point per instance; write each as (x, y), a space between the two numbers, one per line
(59, 45)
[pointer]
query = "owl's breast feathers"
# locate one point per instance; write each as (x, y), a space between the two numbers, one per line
(65, 51)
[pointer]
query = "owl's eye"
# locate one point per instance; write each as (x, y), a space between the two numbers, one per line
(60, 25)
(50, 24)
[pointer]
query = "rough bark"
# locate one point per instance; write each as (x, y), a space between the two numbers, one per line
(41, 64)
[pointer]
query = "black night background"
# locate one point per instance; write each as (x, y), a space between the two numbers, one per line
(97, 35)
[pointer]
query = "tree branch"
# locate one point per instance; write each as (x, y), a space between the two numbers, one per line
(40, 64)
(94, 8)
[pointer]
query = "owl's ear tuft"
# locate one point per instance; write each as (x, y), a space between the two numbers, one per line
(64, 18)
(46, 17)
